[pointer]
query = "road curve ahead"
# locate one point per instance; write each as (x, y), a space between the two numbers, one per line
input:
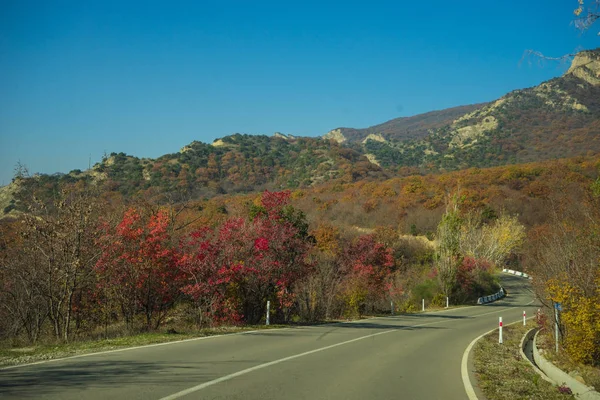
(401, 357)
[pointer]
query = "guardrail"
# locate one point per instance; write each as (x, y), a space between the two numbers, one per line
(493, 297)
(517, 273)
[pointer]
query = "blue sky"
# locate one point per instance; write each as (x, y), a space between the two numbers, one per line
(80, 78)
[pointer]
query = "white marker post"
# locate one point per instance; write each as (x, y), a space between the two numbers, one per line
(392, 306)
(500, 331)
(423, 304)
(268, 311)
(556, 326)
(447, 302)
(524, 319)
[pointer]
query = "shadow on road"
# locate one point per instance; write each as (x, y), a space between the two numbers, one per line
(442, 316)
(55, 379)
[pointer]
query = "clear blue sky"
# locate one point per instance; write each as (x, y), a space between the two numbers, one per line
(79, 78)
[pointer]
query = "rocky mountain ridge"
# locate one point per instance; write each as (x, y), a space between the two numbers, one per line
(557, 119)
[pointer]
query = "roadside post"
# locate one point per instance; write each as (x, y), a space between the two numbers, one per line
(500, 331)
(557, 308)
(447, 302)
(524, 319)
(392, 306)
(268, 311)
(423, 305)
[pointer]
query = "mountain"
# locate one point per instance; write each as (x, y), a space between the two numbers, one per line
(558, 118)
(403, 128)
(238, 163)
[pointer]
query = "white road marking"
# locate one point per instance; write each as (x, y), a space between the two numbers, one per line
(464, 371)
(139, 347)
(188, 340)
(275, 362)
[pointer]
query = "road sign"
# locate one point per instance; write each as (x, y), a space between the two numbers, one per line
(558, 306)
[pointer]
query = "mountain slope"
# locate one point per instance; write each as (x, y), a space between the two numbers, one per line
(403, 128)
(239, 163)
(558, 118)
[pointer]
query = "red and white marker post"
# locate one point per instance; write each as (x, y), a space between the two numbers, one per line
(500, 331)
(524, 319)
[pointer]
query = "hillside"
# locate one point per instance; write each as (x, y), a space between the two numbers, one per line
(233, 164)
(403, 128)
(558, 118)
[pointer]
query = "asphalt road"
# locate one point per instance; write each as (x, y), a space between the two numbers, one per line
(399, 357)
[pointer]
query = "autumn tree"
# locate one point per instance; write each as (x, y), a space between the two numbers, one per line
(587, 13)
(234, 269)
(368, 267)
(448, 251)
(492, 242)
(59, 253)
(22, 304)
(137, 267)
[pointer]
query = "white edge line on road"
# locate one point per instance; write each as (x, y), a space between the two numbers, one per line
(199, 338)
(211, 337)
(268, 364)
(172, 342)
(464, 370)
(185, 340)
(138, 347)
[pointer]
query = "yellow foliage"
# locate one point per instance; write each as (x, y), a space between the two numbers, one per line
(354, 296)
(327, 237)
(580, 318)
(298, 194)
(413, 185)
(384, 191)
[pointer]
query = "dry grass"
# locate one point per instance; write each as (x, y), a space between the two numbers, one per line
(503, 374)
(11, 355)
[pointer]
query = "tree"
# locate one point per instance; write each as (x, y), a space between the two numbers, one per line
(492, 242)
(59, 239)
(448, 235)
(586, 17)
(22, 305)
(138, 266)
(586, 14)
(369, 265)
(234, 269)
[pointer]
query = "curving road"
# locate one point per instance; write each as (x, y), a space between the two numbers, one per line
(400, 357)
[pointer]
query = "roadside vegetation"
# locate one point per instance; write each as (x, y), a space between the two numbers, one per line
(83, 259)
(80, 263)
(503, 374)
(566, 271)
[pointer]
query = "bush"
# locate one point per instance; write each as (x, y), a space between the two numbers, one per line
(580, 320)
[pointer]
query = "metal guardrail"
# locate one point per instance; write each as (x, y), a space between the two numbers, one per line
(517, 273)
(493, 297)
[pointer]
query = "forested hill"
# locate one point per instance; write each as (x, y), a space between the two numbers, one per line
(558, 118)
(233, 164)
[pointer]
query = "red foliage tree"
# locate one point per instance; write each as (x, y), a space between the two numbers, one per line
(237, 267)
(138, 266)
(369, 266)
